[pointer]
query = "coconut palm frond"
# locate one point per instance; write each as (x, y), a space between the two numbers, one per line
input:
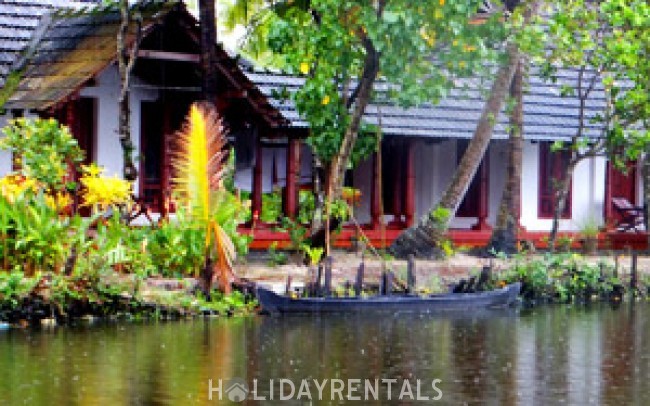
(200, 160)
(225, 253)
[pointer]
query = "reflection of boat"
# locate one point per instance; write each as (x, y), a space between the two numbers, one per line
(273, 303)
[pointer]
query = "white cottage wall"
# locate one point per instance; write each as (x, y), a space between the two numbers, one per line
(5, 156)
(106, 91)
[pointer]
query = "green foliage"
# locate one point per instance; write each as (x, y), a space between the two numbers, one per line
(297, 233)
(11, 84)
(313, 253)
(176, 248)
(560, 277)
(306, 206)
(440, 217)
(44, 149)
(327, 41)
(271, 207)
(14, 287)
(33, 237)
(564, 242)
(589, 228)
(276, 257)
(609, 37)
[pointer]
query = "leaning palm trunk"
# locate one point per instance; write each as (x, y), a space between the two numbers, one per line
(646, 194)
(200, 163)
(422, 240)
(506, 230)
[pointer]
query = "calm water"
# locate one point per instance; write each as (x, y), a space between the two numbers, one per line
(551, 355)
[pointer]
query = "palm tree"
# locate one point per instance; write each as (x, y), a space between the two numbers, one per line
(200, 163)
(506, 230)
(422, 239)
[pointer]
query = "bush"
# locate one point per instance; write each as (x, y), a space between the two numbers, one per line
(561, 277)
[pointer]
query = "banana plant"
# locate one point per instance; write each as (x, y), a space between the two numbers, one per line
(200, 166)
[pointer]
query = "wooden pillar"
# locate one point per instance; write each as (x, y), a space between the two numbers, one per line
(256, 203)
(293, 173)
(409, 195)
(375, 191)
(608, 197)
(483, 203)
(397, 186)
(165, 188)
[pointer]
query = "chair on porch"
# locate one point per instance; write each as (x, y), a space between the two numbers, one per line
(632, 218)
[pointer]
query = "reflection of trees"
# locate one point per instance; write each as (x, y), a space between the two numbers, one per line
(601, 351)
(619, 355)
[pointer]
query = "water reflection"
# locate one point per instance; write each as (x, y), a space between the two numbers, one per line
(573, 355)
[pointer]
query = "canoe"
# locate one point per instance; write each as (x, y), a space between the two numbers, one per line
(273, 303)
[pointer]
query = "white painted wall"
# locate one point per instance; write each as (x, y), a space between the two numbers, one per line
(435, 164)
(106, 90)
(109, 151)
(588, 192)
(5, 156)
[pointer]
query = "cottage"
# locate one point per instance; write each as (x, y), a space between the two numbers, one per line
(65, 59)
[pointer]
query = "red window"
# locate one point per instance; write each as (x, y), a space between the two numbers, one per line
(552, 168)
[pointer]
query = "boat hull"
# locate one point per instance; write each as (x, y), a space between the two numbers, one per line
(273, 303)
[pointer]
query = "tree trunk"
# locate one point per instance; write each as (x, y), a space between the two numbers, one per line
(125, 66)
(646, 194)
(208, 50)
(506, 230)
(339, 164)
(560, 202)
(422, 239)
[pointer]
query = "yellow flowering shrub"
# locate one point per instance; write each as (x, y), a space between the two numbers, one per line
(58, 201)
(103, 191)
(13, 186)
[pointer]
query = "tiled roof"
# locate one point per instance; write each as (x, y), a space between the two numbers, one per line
(72, 49)
(18, 21)
(547, 115)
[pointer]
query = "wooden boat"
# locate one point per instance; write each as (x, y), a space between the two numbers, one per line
(273, 303)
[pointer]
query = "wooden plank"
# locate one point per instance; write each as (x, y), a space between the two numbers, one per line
(327, 288)
(168, 56)
(410, 277)
(358, 286)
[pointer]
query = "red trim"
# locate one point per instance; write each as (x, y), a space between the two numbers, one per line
(265, 237)
(552, 166)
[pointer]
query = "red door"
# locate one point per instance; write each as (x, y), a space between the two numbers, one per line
(622, 185)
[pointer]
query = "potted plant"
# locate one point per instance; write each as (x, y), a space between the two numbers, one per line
(589, 236)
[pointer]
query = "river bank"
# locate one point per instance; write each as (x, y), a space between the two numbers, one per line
(560, 278)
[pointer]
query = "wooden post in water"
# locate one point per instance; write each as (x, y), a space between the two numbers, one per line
(327, 289)
(319, 275)
(358, 286)
(287, 288)
(633, 275)
(388, 278)
(410, 274)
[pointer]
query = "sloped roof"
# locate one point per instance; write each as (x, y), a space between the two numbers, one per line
(18, 21)
(547, 115)
(74, 47)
